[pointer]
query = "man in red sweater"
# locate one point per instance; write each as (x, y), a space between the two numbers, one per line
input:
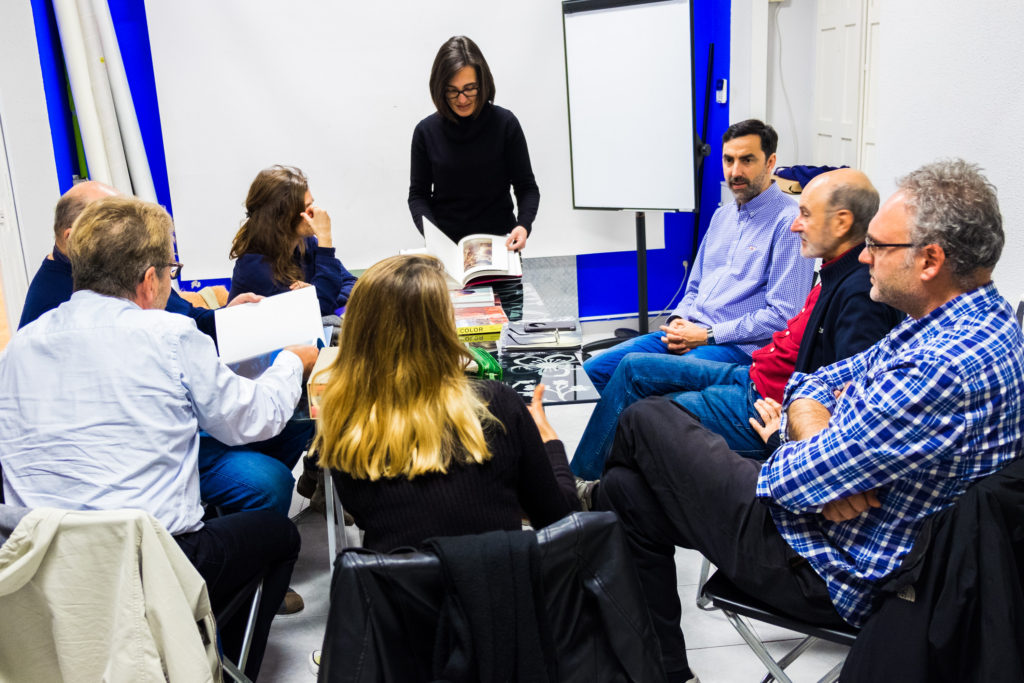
(838, 319)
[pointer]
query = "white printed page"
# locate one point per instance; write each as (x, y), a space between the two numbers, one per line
(250, 330)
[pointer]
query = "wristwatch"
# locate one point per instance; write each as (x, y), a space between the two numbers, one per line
(711, 336)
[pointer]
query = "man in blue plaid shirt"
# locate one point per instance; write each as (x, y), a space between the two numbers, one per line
(873, 445)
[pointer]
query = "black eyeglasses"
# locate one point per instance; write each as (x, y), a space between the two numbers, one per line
(175, 268)
(469, 91)
(873, 246)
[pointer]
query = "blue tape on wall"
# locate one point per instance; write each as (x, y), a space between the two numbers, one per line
(607, 282)
(133, 38)
(55, 89)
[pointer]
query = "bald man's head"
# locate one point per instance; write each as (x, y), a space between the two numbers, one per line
(849, 189)
(834, 212)
(72, 203)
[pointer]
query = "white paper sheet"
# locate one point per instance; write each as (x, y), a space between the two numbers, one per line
(250, 330)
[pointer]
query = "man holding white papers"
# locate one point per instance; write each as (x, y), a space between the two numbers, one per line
(256, 477)
(102, 400)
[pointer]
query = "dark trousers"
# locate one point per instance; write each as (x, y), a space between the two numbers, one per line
(228, 552)
(674, 483)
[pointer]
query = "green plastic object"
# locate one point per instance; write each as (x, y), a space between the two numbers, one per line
(487, 366)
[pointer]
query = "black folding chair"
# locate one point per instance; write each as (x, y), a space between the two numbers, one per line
(738, 606)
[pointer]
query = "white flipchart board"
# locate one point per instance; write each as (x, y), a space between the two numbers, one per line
(629, 74)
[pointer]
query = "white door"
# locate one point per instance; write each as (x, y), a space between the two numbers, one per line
(837, 92)
(868, 153)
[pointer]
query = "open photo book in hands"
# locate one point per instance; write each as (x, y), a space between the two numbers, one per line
(475, 258)
(250, 335)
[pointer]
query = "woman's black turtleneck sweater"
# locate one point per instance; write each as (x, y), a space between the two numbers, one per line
(461, 172)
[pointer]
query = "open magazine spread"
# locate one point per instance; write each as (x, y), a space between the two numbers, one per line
(479, 258)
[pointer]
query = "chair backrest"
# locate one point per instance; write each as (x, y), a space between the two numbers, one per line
(383, 621)
(955, 609)
(104, 594)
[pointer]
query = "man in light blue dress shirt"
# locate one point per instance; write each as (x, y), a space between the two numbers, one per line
(748, 277)
(102, 400)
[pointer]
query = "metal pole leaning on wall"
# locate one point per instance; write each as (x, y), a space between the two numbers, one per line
(69, 26)
(104, 99)
(127, 120)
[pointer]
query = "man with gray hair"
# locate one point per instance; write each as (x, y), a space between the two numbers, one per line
(102, 400)
(872, 445)
(736, 400)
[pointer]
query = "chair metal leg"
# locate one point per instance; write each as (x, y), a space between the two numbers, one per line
(790, 656)
(250, 626)
(757, 646)
(332, 529)
(335, 519)
(232, 672)
(703, 602)
(833, 675)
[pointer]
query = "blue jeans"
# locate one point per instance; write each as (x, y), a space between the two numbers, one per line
(256, 476)
(719, 394)
(601, 367)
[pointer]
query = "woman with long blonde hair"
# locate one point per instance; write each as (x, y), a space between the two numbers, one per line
(416, 448)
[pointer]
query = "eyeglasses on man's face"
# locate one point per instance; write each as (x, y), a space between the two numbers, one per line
(175, 267)
(872, 246)
(469, 91)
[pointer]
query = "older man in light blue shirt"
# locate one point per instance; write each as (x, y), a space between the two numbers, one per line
(748, 277)
(102, 400)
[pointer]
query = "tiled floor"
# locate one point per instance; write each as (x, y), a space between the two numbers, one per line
(717, 653)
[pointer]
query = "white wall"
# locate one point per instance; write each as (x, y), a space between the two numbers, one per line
(790, 66)
(952, 84)
(772, 57)
(336, 89)
(26, 233)
(748, 60)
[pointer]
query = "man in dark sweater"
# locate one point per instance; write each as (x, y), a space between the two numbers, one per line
(51, 285)
(837, 320)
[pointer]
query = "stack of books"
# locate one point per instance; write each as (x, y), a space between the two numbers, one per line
(478, 314)
(480, 323)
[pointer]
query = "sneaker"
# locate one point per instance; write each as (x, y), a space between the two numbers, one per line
(585, 492)
(314, 662)
(291, 604)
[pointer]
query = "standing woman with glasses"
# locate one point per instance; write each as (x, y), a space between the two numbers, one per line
(286, 242)
(467, 154)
